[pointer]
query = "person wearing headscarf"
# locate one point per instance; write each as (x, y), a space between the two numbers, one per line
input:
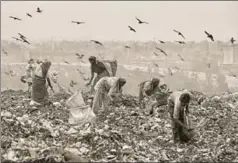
(27, 78)
(102, 69)
(178, 105)
(147, 89)
(107, 88)
(39, 86)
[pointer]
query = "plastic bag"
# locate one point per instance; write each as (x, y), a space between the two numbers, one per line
(79, 112)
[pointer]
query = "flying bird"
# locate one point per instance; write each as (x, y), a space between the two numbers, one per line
(25, 41)
(29, 15)
(209, 35)
(17, 39)
(179, 33)
(127, 47)
(161, 51)
(66, 62)
(82, 73)
(72, 83)
(140, 21)
(39, 10)
(156, 65)
(156, 54)
(77, 22)
(180, 42)
(21, 36)
(131, 29)
(170, 71)
(181, 57)
(4, 52)
(97, 42)
(15, 18)
(162, 42)
(209, 65)
(80, 56)
(232, 40)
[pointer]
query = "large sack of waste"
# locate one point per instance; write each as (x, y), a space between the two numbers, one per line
(79, 112)
(111, 66)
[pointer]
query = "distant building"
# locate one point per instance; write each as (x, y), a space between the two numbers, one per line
(230, 54)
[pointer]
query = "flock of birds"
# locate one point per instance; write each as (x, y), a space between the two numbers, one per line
(23, 38)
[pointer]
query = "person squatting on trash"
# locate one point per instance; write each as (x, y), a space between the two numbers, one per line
(102, 69)
(147, 89)
(107, 88)
(27, 78)
(39, 85)
(178, 105)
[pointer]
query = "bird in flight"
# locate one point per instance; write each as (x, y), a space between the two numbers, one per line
(161, 51)
(140, 21)
(17, 39)
(180, 42)
(97, 42)
(181, 57)
(156, 65)
(25, 41)
(72, 83)
(232, 40)
(179, 33)
(66, 62)
(21, 36)
(77, 22)
(209, 35)
(15, 18)
(82, 73)
(131, 29)
(127, 47)
(80, 56)
(29, 15)
(39, 10)
(162, 42)
(156, 54)
(4, 51)
(170, 71)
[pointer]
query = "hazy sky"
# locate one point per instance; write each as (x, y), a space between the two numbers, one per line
(109, 20)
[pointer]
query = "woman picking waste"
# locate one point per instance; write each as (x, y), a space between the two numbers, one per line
(178, 103)
(107, 88)
(39, 87)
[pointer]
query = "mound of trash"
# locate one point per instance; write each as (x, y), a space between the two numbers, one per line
(125, 133)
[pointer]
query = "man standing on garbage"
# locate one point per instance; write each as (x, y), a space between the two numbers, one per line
(107, 88)
(178, 103)
(102, 69)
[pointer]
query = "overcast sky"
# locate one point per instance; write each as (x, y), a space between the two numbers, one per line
(109, 20)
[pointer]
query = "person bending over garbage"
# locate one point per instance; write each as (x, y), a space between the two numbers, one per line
(147, 89)
(178, 103)
(107, 88)
(102, 68)
(27, 78)
(39, 87)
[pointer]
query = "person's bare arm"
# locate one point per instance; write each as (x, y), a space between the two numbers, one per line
(92, 75)
(49, 82)
(146, 87)
(175, 117)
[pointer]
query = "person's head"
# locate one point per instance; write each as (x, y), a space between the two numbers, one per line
(184, 99)
(92, 59)
(155, 81)
(122, 81)
(46, 64)
(38, 61)
(31, 61)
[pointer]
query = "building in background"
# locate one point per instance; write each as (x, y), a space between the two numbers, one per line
(230, 54)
